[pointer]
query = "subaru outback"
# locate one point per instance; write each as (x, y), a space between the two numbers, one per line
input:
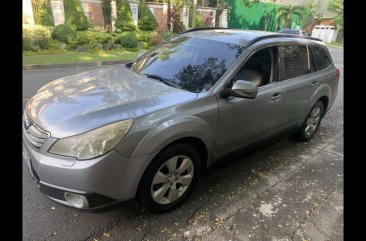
(148, 129)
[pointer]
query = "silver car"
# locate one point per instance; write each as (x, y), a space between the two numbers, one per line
(150, 128)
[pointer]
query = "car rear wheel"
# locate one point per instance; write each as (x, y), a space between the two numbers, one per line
(170, 178)
(311, 123)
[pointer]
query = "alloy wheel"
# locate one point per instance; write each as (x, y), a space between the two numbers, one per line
(172, 179)
(313, 121)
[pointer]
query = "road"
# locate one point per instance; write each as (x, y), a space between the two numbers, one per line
(286, 190)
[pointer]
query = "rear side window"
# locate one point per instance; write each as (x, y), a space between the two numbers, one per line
(294, 61)
(321, 58)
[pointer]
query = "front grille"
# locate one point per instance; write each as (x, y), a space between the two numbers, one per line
(33, 134)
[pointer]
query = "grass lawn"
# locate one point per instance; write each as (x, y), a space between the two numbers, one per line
(337, 44)
(74, 57)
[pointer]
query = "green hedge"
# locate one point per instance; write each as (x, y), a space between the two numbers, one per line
(146, 20)
(36, 37)
(127, 39)
(86, 37)
(42, 12)
(144, 35)
(74, 15)
(64, 33)
(124, 20)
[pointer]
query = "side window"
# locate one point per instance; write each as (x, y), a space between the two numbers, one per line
(321, 58)
(294, 61)
(259, 68)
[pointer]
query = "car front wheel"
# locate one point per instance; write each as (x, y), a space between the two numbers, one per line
(170, 178)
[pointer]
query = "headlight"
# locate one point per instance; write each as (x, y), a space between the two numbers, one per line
(93, 143)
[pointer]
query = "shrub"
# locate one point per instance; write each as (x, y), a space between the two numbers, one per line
(86, 37)
(156, 39)
(144, 35)
(166, 35)
(124, 19)
(199, 20)
(36, 37)
(127, 39)
(42, 12)
(74, 15)
(64, 33)
(94, 45)
(146, 20)
(27, 39)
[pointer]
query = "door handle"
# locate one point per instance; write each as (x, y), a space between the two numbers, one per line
(276, 96)
(315, 83)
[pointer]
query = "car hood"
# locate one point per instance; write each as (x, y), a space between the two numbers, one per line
(79, 103)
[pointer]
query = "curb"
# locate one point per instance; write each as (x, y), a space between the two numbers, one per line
(66, 65)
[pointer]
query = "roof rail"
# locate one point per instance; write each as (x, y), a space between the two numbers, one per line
(198, 29)
(280, 36)
(275, 35)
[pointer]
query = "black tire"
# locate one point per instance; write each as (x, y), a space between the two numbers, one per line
(145, 195)
(302, 134)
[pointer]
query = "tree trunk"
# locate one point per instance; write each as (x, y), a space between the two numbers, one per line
(194, 13)
(169, 16)
(288, 23)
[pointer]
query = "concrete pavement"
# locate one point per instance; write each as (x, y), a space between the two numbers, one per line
(286, 190)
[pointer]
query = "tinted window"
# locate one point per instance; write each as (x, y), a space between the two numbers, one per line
(294, 61)
(192, 64)
(258, 68)
(321, 58)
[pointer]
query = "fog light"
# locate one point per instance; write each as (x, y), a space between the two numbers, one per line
(76, 200)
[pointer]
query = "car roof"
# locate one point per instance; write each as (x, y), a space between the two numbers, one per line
(238, 36)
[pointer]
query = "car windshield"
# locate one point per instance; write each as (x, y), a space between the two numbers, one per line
(188, 63)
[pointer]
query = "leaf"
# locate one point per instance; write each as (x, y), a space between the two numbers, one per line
(107, 235)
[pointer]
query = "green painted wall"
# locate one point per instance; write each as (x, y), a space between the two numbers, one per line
(255, 17)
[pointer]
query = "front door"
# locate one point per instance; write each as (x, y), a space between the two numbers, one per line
(245, 121)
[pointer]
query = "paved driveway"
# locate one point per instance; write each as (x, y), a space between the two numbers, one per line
(285, 190)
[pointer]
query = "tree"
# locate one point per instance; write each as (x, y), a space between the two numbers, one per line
(249, 3)
(337, 7)
(286, 12)
(74, 15)
(147, 20)
(124, 17)
(107, 14)
(42, 12)
(312, 12)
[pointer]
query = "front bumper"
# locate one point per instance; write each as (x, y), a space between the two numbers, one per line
(105, 180)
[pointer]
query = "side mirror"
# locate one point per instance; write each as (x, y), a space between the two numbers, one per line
(242, 89)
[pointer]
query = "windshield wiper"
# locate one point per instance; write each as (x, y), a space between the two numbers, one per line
(164, 80)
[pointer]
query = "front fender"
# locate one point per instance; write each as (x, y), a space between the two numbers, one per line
(174, 129)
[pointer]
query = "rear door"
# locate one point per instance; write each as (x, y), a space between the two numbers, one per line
(297, 73)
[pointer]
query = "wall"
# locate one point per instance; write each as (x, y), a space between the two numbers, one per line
(261, 16)
(160, 12)
(93, 11)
